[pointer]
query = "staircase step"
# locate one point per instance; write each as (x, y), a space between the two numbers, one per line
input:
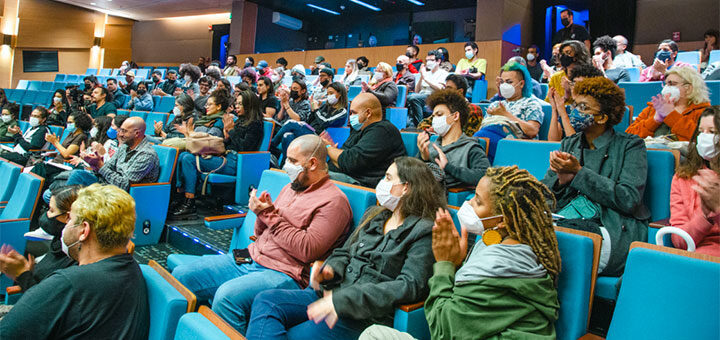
(198, 239)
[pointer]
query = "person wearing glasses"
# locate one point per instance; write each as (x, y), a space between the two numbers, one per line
(676, 110)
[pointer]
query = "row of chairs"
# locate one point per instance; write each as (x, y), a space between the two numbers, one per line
(638, 94)
(30, 97)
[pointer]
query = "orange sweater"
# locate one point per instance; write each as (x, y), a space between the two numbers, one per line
(681, 124)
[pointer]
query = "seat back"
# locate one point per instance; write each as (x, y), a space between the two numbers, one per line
(153, 117)
(24, 125)
(268, 128)
(625, 122)
(547, 118)
(156, 102)
(714, 56)
(105, 72)
(533, 156)
(410, 142)
(714, 89)
(46, 86)
(397, 116)
(9, 173)
(690, 57)
(271, 181)
(141, 114)
(360, 198)
(633, 73)
(59, 77)
(661, 169)
(638, 94)
(667, 294)
(580, 254)
(339, 135)
(402, 96)
(545, 88)
(59, 85)
(72, 78)
(17, 95)
(353, 91)
(24, 198)
(142, 73)
(167, 103)
(479, 92)
(167, 157)
(168, 300)
(91, 72)
(29, 97)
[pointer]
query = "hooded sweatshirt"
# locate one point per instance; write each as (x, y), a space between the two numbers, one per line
(502, 285)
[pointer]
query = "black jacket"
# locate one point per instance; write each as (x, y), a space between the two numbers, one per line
(245, 137)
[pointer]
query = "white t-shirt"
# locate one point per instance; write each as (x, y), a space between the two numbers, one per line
(436, 77)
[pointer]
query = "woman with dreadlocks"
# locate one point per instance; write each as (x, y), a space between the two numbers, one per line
(598, 175)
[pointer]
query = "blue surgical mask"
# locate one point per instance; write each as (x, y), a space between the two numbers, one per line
(663, 55)
(112, 133)
(355, 122)
(70, 127)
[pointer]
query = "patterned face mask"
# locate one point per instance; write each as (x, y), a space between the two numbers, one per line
(580, 121)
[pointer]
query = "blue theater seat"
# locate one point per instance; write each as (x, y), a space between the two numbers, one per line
(353, 91)
(166, 104)
(479, 92)
(547, 118)
(690, 57)
(105, 72)
(168, 299)
(545, 89)
(638, 94)
(397, 116)
(714, 56)
(667, 294)
(402, 96)
(205, 324)
(152, 199)
(634, 73)
(141, 114)
(91, 71)
(9, 173)
(714, 88)
(410, 142)
(22, 84)
(150, 120)
(339, 135)
(16, 95)
(531, 155)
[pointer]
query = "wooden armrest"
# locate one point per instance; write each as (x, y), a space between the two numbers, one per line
(660, 223)
(146, 184)
(223, 217)
(13, 290)
(412, 307)
(253, 238)
(189, 296)
(220, 323)
(590, 336)
(461, 189)
(130, 247)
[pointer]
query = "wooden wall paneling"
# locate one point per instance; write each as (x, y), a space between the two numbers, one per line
(117, 41)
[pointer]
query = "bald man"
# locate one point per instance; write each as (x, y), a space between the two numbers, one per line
(372, 146)
(135, 161)
(623, 57)
(310, 217)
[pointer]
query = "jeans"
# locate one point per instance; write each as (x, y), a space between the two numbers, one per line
(288, 133)
(494, 133)
(416, 108)
(282, 314)
(231, 286)
(188, 173)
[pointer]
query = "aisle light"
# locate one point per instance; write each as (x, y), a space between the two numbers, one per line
(366, 5)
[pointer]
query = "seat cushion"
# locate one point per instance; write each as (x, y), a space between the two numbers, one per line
(605, 287)
(174, 260)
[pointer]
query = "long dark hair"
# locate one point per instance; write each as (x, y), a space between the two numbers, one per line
(303, 86)
(65, 196)
(63, 99)
(251, 108)
(102, 123)
(694, 161)
(342, 92)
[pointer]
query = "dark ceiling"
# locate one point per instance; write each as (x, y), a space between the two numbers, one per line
(300, 10)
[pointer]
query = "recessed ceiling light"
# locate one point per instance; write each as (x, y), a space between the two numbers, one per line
(92, 3)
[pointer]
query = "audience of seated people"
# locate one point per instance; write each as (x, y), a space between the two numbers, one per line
(405, 74)
(472, 66)
(130, 83)
(58, 113)
(117, 95)
(624, 58)
(459, 84)
(461, 159)
(10, 114)
(536, 88)
(603, 55)
(520, 114)
(332, 113)
(319, 89)
(413, 52)
(534, 65)
(104, 296)
(269, 104)
(675, 111)
(665, 60)
(184, 111)
(32, 139)
(309, 218)
(694, 199)
(386, 261)
(79, 125)
(140, 100)
(243, 134)
(604, 172)
(432, 78)
(294, 102)
(564, 123)
(509, 276)
(572, 53)
(102, 103)
(352, 72)
(382, 85)
(372, 146)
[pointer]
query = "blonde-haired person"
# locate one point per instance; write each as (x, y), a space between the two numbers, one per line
(383, 86)
(351, 76)
(105, 295)
(677, 109)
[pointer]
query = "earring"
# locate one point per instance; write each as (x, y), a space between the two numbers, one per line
(491, 236)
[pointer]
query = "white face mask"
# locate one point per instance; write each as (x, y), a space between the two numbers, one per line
(6, 118)
(176, 111)
(706, 145)
(673, 91)
(430, 65)
(66, 248)
(530, 57)
(56, 99)
(332, 100)
(379, 76)
(384, 197)
(469, 54)
(468, 219)
(293, 170)
(440, 125)
(507, 90)
(34, 121)
(188, 79)
(93, 132)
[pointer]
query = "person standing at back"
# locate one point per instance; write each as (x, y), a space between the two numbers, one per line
(571, 31)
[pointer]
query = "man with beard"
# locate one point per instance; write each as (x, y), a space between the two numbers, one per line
(571, 31)
(309, 218)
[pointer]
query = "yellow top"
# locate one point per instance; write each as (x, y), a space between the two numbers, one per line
(479, 63)
(555, 82)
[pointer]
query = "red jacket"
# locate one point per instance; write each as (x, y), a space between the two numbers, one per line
(686, 214)
(301, 228)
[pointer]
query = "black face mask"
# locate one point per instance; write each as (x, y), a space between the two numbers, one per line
(294, 95)
(248, 64)
(156, 79)
(409, 55)
(566, 60)
(361, 66)
(87, 86)
(141, 92)
(565, 22)
(325, 83)
(50, 224)
(399, 67)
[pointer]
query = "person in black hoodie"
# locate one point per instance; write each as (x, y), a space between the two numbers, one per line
(372, 146)
(244, 134)
(32, 139)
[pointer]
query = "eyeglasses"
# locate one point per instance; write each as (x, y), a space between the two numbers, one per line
(673, 83)
(582, 107)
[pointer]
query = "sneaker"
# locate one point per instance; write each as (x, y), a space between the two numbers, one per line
(185, 211)
(38, 234)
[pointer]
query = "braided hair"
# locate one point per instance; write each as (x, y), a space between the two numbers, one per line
(521, 199)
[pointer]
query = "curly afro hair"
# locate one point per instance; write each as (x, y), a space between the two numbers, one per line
(453, 100)
(609, 95)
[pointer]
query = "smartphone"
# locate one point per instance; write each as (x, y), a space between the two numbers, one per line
(242, 256)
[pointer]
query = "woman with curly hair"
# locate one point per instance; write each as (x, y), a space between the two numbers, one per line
(190, 74)
(676, 110)
(598, 176)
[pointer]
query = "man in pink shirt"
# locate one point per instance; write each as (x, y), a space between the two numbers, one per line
(310, 217)
(664, 60)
